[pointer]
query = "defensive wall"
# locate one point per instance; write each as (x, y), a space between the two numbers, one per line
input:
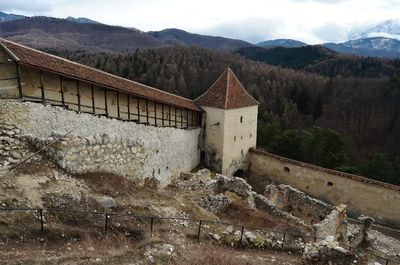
(100, 144)
(361, 195)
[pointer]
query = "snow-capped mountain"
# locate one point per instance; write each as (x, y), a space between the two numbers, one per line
(387, 29)
(377, 46)
(375, 43)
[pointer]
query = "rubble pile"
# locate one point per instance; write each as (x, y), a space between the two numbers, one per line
(214, 203)
(326, 251)
(201, 180)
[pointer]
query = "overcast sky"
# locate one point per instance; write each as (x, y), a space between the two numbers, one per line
(311, 21)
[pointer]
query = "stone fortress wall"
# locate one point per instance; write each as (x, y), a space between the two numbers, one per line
(361, 195)
(100, 144)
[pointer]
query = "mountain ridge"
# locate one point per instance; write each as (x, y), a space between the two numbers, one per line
(175, 36)
(288, 43)
(85, 34)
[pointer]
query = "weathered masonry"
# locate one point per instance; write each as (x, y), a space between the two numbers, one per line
(124, 127)
(32, 75)
(230, 124)
(361, 195)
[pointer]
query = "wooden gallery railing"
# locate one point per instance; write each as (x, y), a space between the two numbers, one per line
(81, 96)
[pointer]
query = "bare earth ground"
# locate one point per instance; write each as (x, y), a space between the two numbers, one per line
(79, 238)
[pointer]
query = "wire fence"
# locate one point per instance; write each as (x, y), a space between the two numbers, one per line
(278, 239)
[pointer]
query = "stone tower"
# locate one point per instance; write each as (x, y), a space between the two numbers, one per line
(229, 125)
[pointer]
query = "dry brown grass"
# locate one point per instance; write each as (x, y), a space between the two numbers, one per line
(109, 184)
(240, 213)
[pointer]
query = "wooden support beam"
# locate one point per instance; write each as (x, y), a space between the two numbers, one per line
(187, 118)
(19, 80)
(147, 111)
(138, 108)
(78, 94)
(118, 112)
(155, 113)
(105, 101)
(181, 117)
(162, 113)
(61, 91)
(129, 107)
(169, 115)
(42, 86)
(176, 119)
(93, 104)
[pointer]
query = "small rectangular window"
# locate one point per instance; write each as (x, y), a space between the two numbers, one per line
(241, 119)
(251, 135)
(234, 138)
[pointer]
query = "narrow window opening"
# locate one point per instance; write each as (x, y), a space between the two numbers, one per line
(241, 119)
(241, 137)
(159, 171)
(241, 151)
(286, 169)
(251, 135)
(234, 138)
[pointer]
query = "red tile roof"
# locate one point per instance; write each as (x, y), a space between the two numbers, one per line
(34, 58)
(226, 93)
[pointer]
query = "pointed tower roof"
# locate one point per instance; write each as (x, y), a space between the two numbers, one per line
(226, 93)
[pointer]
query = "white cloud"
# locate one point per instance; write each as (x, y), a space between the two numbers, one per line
(311, 21)
(29, 7)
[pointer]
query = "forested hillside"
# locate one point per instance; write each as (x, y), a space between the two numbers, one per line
(321, 60)
(349, 123)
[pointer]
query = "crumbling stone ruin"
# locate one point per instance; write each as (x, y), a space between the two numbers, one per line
(330, 235)
(297, 203)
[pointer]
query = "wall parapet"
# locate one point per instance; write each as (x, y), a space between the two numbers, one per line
(361, 195)
(327, 170)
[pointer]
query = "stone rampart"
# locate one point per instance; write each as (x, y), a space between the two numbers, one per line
(100, 144)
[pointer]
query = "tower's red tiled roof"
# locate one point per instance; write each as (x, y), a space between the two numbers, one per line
(34, 58)
(226, 93)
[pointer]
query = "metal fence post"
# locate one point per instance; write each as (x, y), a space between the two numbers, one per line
(199, 230)
(387, 262)
(241, 235)
(41, 220)
(283, 240)
(151, 225)
(106, 224)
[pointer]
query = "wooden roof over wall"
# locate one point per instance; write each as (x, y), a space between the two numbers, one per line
(37, 59)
